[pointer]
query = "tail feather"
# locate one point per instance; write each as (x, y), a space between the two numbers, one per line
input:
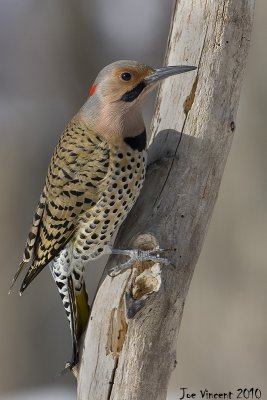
(73, 294)
(31, 241)
(76, 306)
(82, 310)
(22, 265)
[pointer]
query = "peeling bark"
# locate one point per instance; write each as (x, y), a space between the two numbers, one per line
(129, 350)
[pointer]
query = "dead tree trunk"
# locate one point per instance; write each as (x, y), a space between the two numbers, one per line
(130, 345)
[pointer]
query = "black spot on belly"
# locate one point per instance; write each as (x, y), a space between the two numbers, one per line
(76, 275)
(137, 142)
(66, 304)
(60, 284)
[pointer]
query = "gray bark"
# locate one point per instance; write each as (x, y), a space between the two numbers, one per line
(129, 350)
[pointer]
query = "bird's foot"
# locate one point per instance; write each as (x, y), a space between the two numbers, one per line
(138, 255)
(71, 365)
(68, 368)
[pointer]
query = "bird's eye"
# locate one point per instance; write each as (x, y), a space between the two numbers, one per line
(126, 76)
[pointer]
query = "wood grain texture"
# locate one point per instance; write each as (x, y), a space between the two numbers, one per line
(129, 350)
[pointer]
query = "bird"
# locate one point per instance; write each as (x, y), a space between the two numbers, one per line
(94, 178)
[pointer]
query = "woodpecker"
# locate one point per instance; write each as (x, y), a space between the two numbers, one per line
(95, 176)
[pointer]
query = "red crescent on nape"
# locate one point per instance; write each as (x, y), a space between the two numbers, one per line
(92, 90)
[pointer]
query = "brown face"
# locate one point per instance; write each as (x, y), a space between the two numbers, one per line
(130, 76)
(126, 83)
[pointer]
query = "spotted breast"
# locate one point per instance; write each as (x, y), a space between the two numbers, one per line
(123, 184)
(97, 223)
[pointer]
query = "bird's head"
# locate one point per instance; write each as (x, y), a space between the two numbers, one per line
(127, 82)
(112, 108)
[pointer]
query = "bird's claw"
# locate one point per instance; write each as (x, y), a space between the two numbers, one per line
(68, 367)
(138, 255)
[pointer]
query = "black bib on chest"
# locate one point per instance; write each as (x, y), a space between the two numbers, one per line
(137, 142)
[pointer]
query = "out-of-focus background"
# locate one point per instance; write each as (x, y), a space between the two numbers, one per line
(50, 52)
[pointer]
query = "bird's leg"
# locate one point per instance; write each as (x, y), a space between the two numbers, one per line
(138, 255)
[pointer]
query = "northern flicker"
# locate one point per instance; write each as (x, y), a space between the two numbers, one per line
(94, 178)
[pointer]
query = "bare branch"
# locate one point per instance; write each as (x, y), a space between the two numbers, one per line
(130, 345)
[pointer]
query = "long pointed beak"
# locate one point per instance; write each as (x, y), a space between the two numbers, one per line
(165, 72)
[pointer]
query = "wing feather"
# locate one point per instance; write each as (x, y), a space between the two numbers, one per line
(77, 170)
